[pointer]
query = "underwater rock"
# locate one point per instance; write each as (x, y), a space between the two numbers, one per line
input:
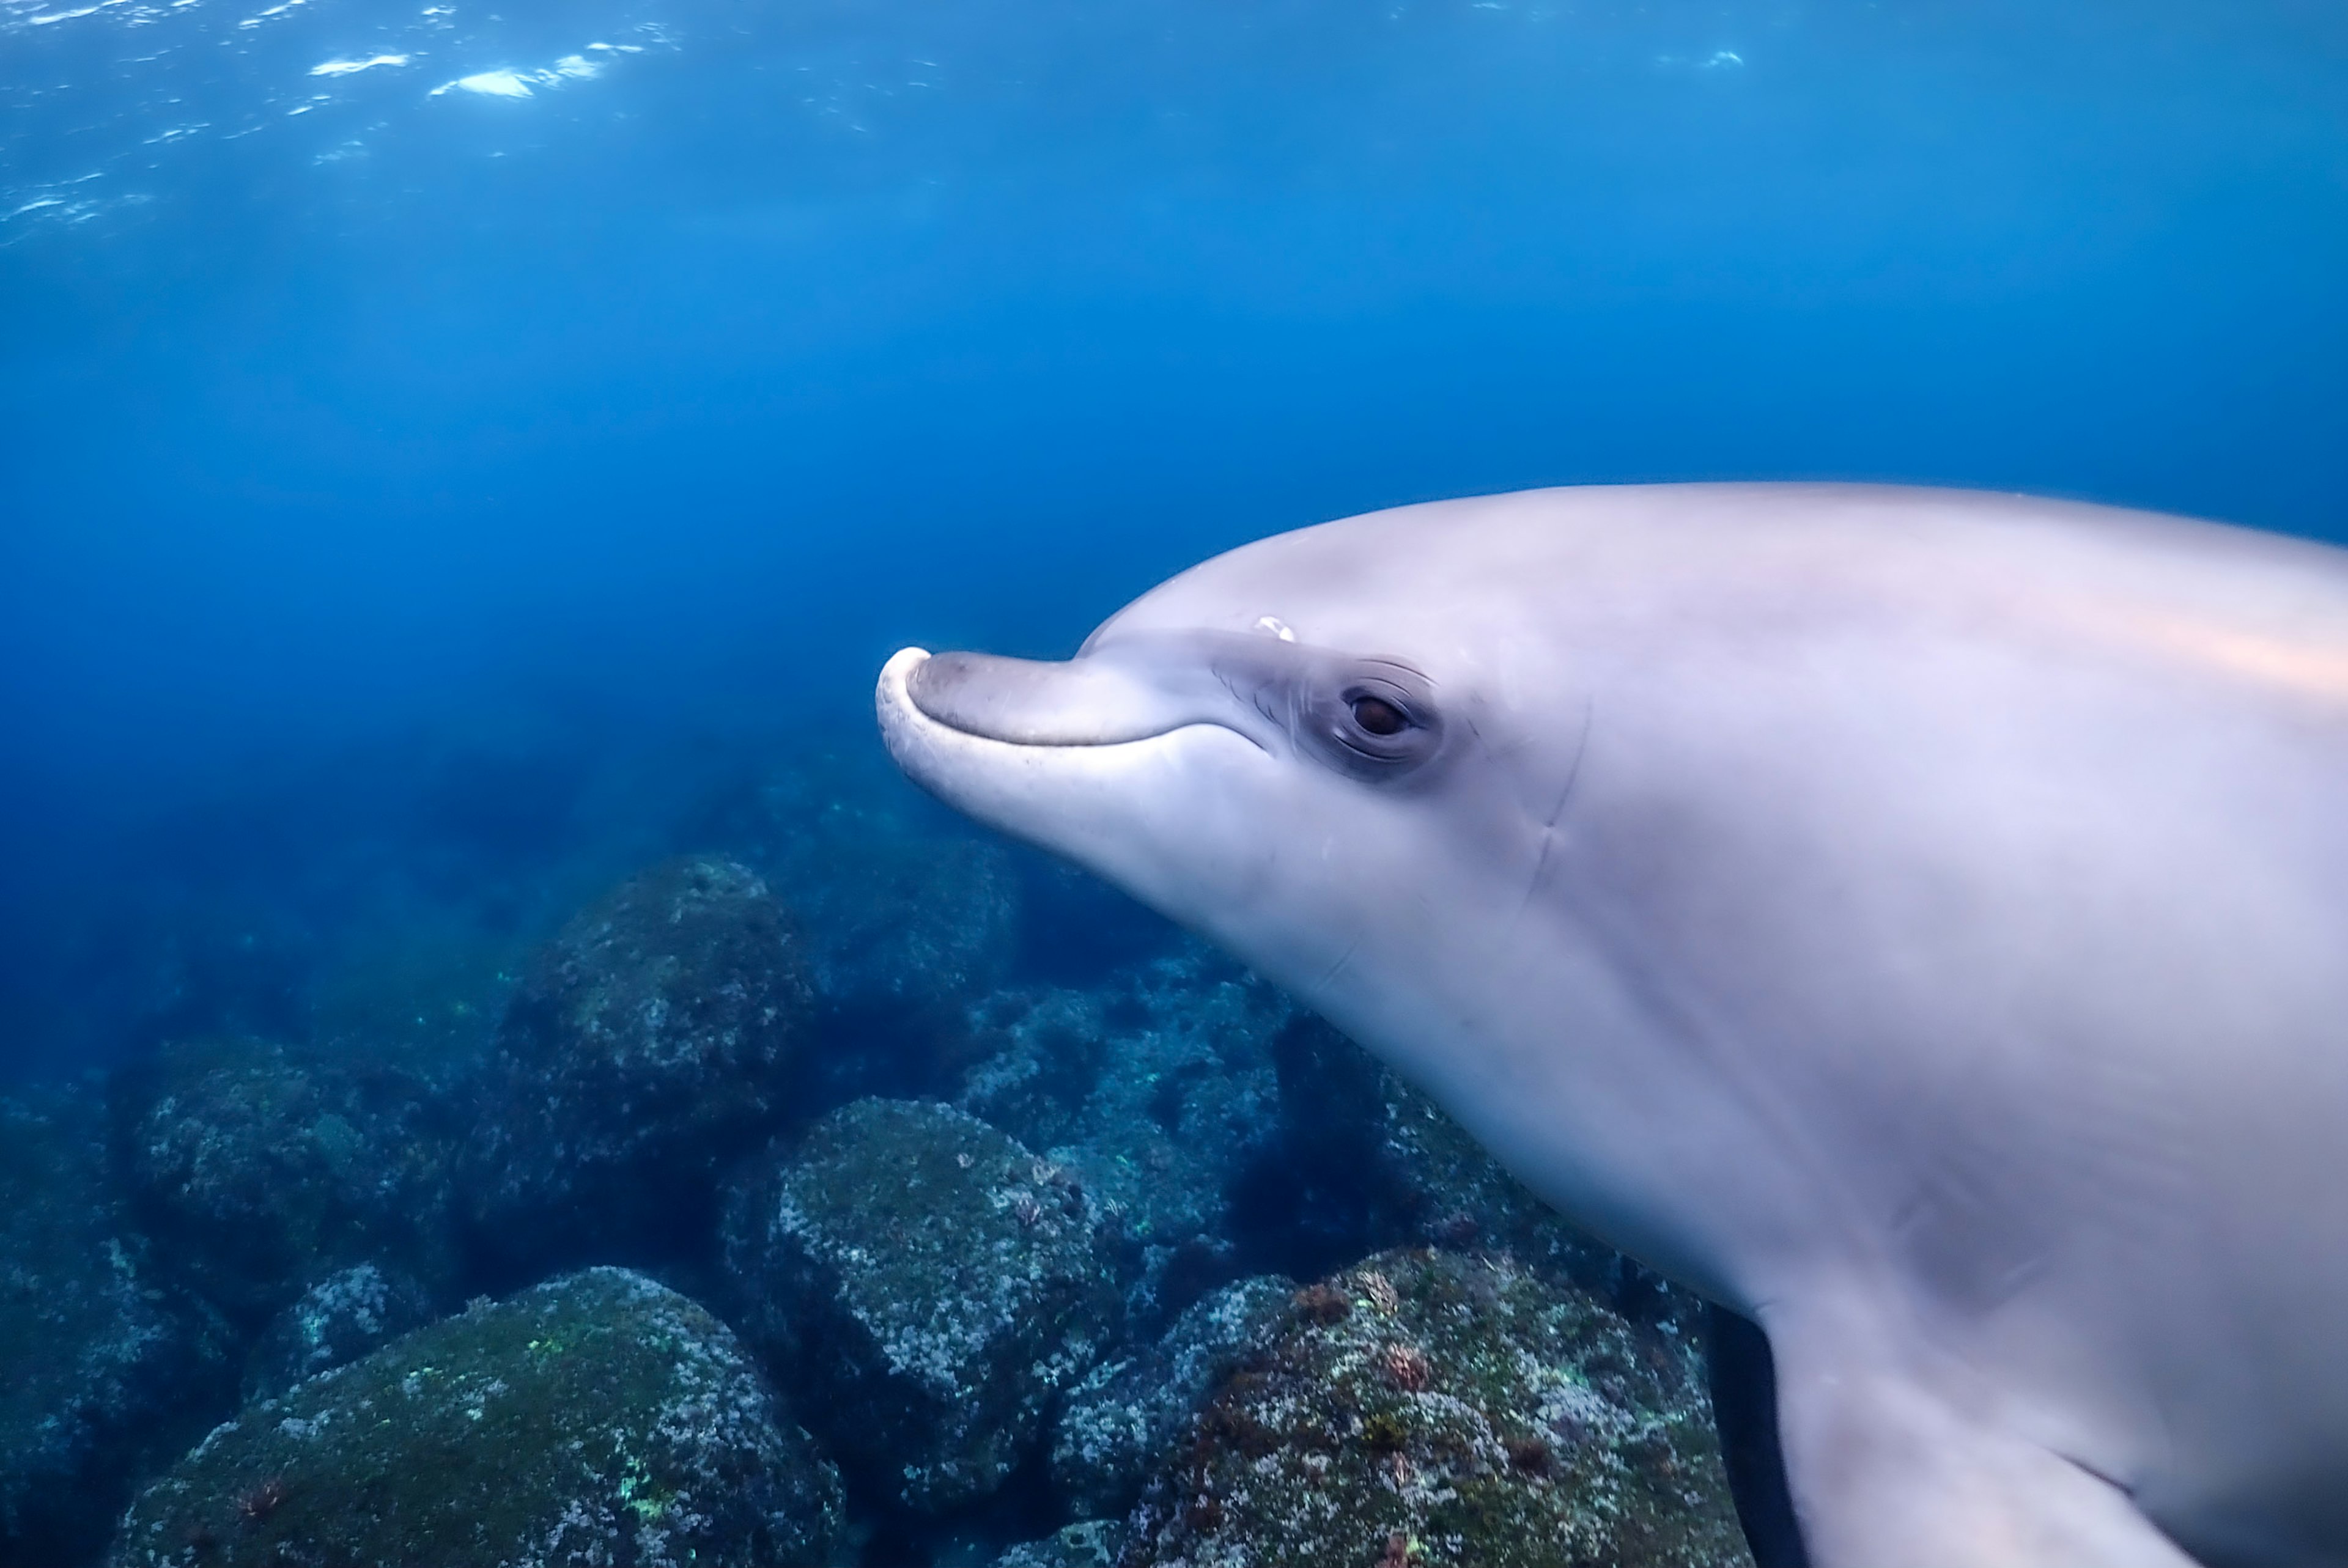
(1427, 1408)
(1158, 1091)
(1324, 1186)
(928, 1287)
(903, 910)
(1226, 1131)
(1122, 1422)
(651, 1041)
(258, 1171)
(1094, 1543)
(600, 1418)
(104, 1373)
(338, 1320)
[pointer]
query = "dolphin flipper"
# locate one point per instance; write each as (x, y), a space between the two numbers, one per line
(1884, 1468)
(1742, 1383)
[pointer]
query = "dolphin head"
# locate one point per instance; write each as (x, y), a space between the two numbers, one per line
(1299, 749)
(1250, 784)
(1513, 790)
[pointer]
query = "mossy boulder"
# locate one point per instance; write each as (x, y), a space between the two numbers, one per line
(928, 1286)
(106, 1371)
(1122, 1422)
(338, 1320)
(650, 1042)
(600, 1418)
(1158, 1089)
(259, 1170)
(1427, 1408)
(1093, 1543)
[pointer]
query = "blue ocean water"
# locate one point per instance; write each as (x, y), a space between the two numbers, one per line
(455, 454)
(381, 377)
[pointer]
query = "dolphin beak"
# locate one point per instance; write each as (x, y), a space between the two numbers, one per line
(1064, 755)
(1084, 701)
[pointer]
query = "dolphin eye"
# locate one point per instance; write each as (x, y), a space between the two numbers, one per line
(1378, 716)
(1377, 721)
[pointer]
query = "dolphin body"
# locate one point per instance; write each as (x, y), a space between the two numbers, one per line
(1916, 920)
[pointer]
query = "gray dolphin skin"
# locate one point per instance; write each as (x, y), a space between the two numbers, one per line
(1916, 920)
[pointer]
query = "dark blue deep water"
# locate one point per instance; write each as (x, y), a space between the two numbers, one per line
(454, 456)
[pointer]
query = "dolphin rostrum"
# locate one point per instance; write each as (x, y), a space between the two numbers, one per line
(1915, 921)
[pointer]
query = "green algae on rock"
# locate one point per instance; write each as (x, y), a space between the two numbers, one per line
(600, 1418)
(1427, 1409)
(1123, 1420)
(105, 1372)
(932, 1287)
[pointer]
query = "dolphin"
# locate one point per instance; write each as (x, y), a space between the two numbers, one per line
(1915, 921)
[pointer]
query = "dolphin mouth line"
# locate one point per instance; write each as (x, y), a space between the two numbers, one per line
(955, 760)
(1084, 705)
(901, 708)
(943, 714)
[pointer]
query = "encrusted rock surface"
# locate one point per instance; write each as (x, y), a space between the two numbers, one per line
(1158, 1090)
(1424, 1409)
(104, 1371)
(1225, 1131)
(649, 1042)
(931, 1288)
(1123, 1421)
(1094, 1543)
(338, 1320)
(258, 1171)
(599, 1419)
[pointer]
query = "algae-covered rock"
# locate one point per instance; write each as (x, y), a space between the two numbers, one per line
(259, 1172)
(931, 1285)
(1123, 1421)
(1093, 1543)
(104, 1371)
(338, 1320)
(1158, 1090)
(1427, 1408)
(650, 1042)
(600, 1418)
(910, 918)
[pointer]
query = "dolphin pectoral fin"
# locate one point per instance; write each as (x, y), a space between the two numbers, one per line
(1885, 1469)
(1741, 1380)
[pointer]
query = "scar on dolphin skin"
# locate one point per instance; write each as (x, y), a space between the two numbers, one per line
(1557, 812)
